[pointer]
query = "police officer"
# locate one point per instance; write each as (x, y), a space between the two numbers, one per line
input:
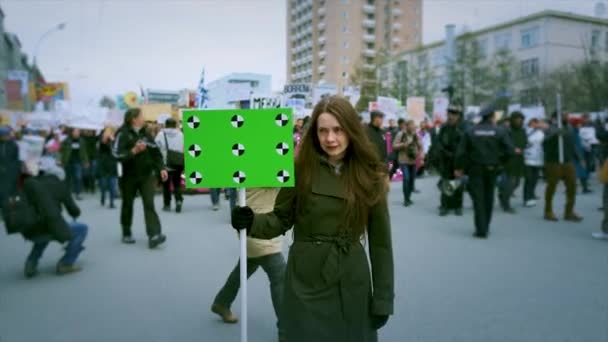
(448, 141)
(141, 161)
(483, 150)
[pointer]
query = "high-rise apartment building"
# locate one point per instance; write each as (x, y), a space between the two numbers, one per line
(328, 39)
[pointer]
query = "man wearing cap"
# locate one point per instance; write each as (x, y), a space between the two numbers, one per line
(514, 169)
(376, 134)
(482, 154)
(9, 164)
(448, 141)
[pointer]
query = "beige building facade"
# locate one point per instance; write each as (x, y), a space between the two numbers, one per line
(328, 39)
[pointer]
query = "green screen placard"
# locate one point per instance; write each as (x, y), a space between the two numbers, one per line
(239, 148)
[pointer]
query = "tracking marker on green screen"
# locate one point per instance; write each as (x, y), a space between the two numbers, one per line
(239, 148)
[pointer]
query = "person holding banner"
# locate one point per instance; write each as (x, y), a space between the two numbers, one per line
(339, 199)
(141, 161)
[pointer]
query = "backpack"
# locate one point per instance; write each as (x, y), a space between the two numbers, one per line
(18, 214)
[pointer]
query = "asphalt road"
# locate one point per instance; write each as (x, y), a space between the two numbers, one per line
(532, 281)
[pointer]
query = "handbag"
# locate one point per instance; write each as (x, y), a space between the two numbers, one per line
(603, 174)
(174, 158)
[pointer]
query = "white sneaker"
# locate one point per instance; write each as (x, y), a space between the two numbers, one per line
(530, 203)
(216, 207)
(600, 235)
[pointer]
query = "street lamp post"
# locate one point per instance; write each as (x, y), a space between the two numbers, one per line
(59, 27)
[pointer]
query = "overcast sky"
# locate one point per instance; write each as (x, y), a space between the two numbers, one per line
(112, 46)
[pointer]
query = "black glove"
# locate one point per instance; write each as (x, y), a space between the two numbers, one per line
(378, 321)
(242, 218)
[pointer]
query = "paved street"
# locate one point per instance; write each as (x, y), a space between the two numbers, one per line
(532, 281)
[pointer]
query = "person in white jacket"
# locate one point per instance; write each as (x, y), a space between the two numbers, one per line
(168, 139)
(534, 160)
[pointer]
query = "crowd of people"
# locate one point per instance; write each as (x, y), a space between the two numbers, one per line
(344, 169)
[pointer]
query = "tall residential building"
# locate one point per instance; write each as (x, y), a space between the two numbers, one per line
(327, 39)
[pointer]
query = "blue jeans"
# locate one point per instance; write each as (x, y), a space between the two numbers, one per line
(409, 177)
(74, 176)
(107, 184)
(72, 250)
(215, 196)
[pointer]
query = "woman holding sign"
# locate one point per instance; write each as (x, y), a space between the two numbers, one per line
(340, 198)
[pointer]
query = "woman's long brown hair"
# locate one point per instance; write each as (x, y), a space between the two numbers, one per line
(363, 174)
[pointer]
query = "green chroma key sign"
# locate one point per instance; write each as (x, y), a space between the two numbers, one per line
(238, 148)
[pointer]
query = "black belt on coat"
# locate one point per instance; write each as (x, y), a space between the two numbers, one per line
(331, 270)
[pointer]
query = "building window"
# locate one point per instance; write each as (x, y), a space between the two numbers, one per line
(345, 44)
(344, 2)
(530, 67)
(345, 29)
(482, 48)
(595, 39)
(344, 15)
(345, 60)
(344, 74)
(502, 41)
(530, 37)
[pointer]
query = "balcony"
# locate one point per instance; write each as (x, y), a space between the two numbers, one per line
(396, 40)
(321, 26)
(397, 26)
(322, 11)
(322, 54)
(321, 68)
(369, 23)
(397, 11)
(369, 38)
(368, 67)
(321, 40)
(369, 53)
(369, 9)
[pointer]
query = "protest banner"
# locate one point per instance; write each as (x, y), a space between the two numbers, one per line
(415, 109)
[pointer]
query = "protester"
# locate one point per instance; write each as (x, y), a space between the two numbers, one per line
(141, 164)
(375, 134)
(74, 159)
(408, 146)
(340, 197)
(603, 176)
(10, 165)
(47, 193)
(266, 254)
(108, 168)
(533, 155)
(514, 169)
(91, 173)
(170, 141)
(560, 170)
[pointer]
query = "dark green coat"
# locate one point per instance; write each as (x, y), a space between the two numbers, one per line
(66, 151)
(328, 288)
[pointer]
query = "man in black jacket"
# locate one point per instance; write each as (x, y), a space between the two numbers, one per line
(447, 142)
(141, 162)
(376, 134)
(10, 166)
(514, 170)
(47, 193)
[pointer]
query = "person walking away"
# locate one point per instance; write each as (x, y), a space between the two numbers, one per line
(515, 167)
(557, 170)
(376, 134)
(580, 164)
(533, 156)
(91, 174)
(266, 254)
(447, 142)
(108, 168)
(408, 146)
(10, 165)
(339, 199)
(141, 162)
(74, 159)
(603, 177)
(47, 193)
(482, 153)
(170, 141)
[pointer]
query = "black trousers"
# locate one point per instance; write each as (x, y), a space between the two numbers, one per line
(482, 185)
(532, 174)
(129, 188)
(507, 187)
(175, 179)
(454, 201)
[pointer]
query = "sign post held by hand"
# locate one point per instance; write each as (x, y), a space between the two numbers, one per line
(239, 148)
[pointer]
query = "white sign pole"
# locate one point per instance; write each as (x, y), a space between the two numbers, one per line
(243, 268)
(560, 138)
